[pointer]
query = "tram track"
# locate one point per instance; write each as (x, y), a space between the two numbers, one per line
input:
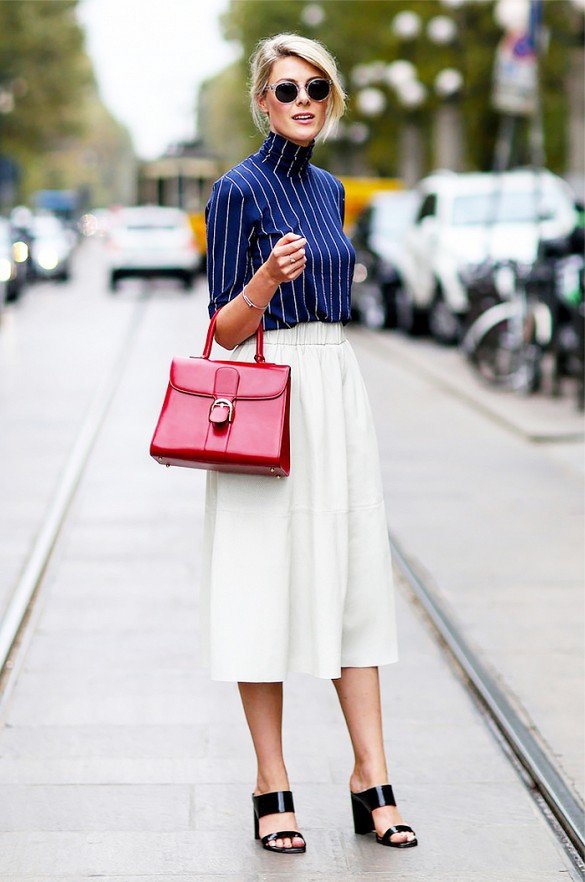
(537, 771)
(540, 773)
(20, 607)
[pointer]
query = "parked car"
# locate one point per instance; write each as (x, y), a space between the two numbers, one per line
(464, 220)
(12, 268)
(50, 248)
(6, 261)
(378, 241)
(150, 240)
(20, 222)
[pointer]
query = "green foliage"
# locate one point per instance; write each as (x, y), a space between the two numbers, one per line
(42, 54)
(58, 131)
(360, 32)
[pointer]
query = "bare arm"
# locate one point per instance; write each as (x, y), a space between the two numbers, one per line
(237, 321)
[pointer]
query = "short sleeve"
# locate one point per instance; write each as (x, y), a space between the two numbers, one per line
(228, 228)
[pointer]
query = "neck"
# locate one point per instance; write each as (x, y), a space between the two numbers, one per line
(285, 155)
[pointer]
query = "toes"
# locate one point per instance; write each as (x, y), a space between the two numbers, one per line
(287, 842)
(404, 837)
(401, 837)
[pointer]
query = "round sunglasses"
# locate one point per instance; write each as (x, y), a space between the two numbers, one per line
(286, 91)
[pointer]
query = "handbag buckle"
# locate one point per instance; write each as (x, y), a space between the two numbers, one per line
(220, 418)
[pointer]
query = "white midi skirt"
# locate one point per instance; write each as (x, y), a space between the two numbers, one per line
(296, 572)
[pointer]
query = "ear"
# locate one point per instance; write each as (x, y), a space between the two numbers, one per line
(261, 101)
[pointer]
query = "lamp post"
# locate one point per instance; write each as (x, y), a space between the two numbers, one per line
(401, 75)
(447, 128)
(443, 31)
(411, 94)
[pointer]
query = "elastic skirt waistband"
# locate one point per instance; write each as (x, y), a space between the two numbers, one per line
(302, 334)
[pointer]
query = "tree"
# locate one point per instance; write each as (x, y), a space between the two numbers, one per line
(56, 109)
(360, 32)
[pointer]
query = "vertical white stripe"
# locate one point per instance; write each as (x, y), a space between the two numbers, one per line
(286, 222)
(325, 181)
(293, 162)
(225, 238)
(280, 157)
(326, 228)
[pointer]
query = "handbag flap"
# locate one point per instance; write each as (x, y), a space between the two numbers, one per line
(196, 376)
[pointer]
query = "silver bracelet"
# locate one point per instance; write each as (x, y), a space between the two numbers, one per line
(249, 302)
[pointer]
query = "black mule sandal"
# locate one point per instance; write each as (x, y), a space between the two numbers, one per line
(364, 802)
(268, 804)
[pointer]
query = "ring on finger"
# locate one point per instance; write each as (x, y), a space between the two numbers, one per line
(292, 259)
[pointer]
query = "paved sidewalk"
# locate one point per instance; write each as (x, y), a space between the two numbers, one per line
(494, 521)
(119, 757)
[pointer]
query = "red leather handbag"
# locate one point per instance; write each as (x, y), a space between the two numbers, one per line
(231, 416)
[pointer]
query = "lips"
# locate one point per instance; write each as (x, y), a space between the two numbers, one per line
(304, 117)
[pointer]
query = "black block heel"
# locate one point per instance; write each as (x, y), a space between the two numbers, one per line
(362, 805)
(268, 804)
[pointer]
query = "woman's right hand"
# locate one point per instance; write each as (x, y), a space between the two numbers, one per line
(237, 320)
(279, 267)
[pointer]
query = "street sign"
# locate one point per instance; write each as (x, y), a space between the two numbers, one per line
(515, 75)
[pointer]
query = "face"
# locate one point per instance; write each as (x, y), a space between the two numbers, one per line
(282, 116)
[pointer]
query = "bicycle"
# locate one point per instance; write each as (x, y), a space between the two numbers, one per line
(506, 336)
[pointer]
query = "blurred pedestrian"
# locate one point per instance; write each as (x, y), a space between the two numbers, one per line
(296, 572)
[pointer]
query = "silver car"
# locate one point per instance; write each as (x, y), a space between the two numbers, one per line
(146, 241)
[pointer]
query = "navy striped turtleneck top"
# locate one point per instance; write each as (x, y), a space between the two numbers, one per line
(268, 194)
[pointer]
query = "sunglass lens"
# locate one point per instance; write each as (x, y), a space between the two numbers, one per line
(286, 92)
(318, 89)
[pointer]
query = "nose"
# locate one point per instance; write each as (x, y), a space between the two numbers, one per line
(300, 98)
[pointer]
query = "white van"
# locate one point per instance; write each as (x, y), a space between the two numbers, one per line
(464, 220)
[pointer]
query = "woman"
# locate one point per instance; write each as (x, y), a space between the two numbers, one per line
(296, 572)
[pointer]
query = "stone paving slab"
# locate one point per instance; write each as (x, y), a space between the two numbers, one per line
(96, 807)
(46, 743)
(162, 854)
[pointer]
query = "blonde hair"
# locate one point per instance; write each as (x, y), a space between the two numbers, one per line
(270, 50)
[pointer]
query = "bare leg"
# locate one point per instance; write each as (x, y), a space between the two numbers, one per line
(263, 710)
(358, 690)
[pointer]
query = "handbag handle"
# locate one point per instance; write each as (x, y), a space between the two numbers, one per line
(209, 340)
